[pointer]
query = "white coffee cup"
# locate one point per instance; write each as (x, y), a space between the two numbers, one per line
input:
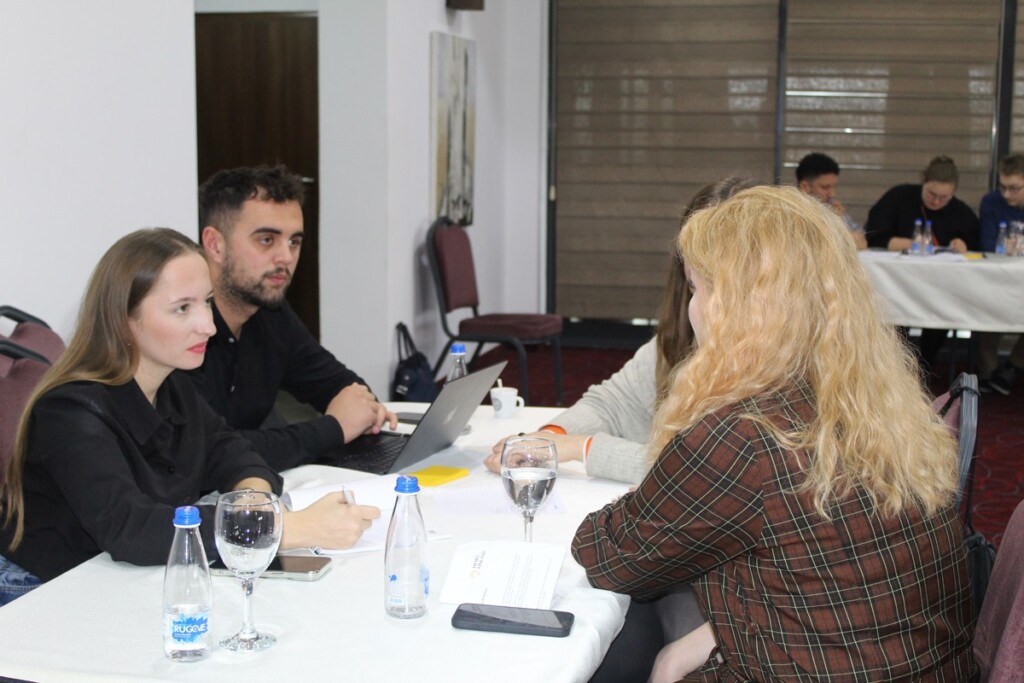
(506, 401)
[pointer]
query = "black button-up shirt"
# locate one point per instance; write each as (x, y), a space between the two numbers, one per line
(104, 471)
(240, 377)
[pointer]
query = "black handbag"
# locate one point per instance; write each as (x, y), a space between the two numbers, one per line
(981, 557)
(414, 378)
(981, 554)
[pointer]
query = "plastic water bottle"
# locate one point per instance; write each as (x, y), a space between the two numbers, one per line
(1001, 238)
(188, 592)
(926, 236)
(1014, 239)
(458, 365)
(916, 242)
(406, 572)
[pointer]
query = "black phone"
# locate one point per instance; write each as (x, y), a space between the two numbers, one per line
(525, 620)
(296, 567)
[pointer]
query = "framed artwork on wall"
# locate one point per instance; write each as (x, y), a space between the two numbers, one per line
(452, 126)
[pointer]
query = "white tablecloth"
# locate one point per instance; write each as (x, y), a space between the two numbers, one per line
(984, 295)
(102, 620)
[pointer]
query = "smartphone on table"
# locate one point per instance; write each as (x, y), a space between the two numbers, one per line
(525, 620)
(295, 567)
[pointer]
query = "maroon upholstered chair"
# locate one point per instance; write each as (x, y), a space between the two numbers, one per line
(451, 263)
(999, 636)
(20, 372)
(32, 333)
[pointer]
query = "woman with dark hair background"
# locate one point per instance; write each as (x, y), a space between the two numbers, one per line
(609, 427)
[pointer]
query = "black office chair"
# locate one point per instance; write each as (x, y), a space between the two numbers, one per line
(451, 263)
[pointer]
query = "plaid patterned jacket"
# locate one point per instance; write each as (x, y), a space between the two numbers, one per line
(791, 596)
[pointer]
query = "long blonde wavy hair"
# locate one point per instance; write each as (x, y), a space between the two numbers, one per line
(101, 348)
(787, 301)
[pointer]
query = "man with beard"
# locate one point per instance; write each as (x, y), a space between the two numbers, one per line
(251, 230)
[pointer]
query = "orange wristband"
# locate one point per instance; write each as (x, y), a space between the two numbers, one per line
(554, 429)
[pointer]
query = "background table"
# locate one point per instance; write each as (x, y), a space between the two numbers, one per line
(984, 295)
(102, 620)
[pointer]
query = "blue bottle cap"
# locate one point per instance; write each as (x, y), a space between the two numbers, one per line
(187, 515)
(407, 484)
(458, 348)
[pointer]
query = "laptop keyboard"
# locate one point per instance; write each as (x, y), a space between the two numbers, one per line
(374, 454)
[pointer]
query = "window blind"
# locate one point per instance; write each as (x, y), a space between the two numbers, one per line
(654, 99)
(883, 87)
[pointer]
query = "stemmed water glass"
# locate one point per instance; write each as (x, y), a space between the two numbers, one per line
(248, 529)
(529, 466)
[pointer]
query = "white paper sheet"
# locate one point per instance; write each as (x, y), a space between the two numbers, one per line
(376, 491)
(516, 574)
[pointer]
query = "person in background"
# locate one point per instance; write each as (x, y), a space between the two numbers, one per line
(820, 534)
(954, 225)
(251, 231)
(114, 438)
(608, 428)
(817, 174)
(1003, 205)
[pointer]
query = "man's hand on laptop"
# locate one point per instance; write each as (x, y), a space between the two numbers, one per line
(357, 411)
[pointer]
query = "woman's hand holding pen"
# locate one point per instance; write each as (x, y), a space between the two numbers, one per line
(334, 521)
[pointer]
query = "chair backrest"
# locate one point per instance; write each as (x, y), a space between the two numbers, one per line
(20, 372)
(999, 636)
(958, 408)
(451, 262)
(32, 333)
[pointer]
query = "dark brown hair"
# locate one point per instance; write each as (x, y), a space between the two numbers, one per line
(675, 335)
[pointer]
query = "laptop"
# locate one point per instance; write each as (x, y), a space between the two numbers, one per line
(444, 420)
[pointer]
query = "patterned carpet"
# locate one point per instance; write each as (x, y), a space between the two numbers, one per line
(999, 475)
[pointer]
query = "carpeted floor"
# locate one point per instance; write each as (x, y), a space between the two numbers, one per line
(999, 476)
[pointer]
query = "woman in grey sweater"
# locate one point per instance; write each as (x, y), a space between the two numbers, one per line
(608, 428)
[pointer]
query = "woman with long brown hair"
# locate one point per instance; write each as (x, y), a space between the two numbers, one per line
(113, 438)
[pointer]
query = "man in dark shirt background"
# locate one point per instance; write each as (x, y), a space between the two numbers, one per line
(251, 228)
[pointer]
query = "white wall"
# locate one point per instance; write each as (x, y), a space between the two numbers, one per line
(97, 137)
(375, 139)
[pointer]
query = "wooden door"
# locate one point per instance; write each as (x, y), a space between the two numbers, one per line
(256, 101)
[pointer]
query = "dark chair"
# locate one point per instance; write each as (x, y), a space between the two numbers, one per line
(20, 372)
(32, 333)
(958, 408)
(999, 637)
(451, 263)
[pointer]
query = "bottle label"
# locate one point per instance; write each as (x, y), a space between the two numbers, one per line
(189, 628)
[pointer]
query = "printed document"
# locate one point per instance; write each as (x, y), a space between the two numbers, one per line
(512, 573)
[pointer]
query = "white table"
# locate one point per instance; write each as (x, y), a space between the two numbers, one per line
(102, 620)
(984, 295)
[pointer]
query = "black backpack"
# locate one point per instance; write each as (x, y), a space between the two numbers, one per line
(414, 378)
